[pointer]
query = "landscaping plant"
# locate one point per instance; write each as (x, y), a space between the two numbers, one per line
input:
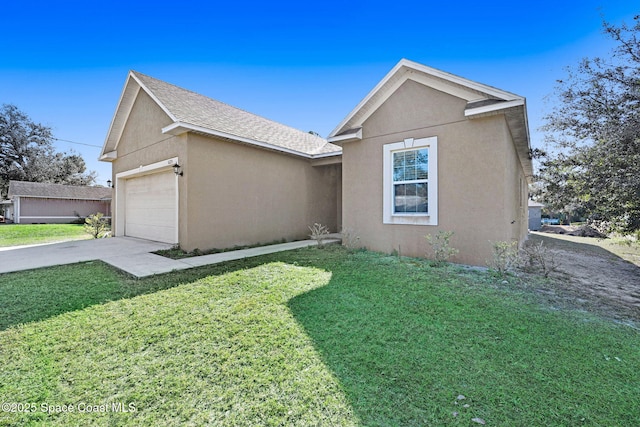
(505, 256)
(319, 233)
(540, 257)
(440, 244)
(96, 225)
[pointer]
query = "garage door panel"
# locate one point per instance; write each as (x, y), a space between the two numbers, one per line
(150, 207)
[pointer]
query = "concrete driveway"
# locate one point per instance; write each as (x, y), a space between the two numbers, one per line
(112, 251)
(129, 254)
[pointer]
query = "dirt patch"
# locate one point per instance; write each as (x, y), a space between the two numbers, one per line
(591, 276)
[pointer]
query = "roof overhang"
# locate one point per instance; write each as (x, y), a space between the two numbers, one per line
(482, 101)
(132, 87)
(347, 136)
(110, 156)
(515, 113)
(180, 128)
(472, 92)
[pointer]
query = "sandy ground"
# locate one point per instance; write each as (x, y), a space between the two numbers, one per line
(594, 274)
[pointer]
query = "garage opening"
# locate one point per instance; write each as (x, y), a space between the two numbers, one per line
(151, 207)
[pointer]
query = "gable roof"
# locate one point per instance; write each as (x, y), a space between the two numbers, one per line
(192, 112)
(482, 100)
(58, 191)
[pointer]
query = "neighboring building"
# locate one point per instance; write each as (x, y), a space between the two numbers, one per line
(424, 151)
(535, 215)
(36, 202)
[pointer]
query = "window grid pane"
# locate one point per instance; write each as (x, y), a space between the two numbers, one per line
(410, 166)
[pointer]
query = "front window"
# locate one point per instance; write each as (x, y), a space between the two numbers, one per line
(410, 181)
(410, 190)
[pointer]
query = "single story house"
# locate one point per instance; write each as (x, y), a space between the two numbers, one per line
(424, 151)
(535, 215)
(37, 202)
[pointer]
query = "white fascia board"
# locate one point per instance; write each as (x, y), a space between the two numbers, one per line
(124, 108)
(414, 66)
(109, 157)
(180, 128)
(367, 98)
(128, 98)
(494, 107)
(153, 96)
(489, 90)
(346, 138)
(325, 155)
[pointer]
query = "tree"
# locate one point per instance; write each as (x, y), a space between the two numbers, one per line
(595, 130)
(27, 154)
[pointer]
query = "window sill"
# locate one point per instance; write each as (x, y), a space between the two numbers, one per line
(410, 219)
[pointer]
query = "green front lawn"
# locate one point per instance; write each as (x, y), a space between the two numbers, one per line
(306, 337)
(30, 234)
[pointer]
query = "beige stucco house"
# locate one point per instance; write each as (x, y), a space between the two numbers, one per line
(424, 151)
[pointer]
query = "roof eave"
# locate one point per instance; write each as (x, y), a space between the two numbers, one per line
(109, 157)
(471, 112)
(179, 128)
(515, 113)
(129, 94)
(346, 137)
(489, 91)
(326, 155)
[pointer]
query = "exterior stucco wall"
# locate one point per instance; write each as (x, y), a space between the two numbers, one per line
(238, 195)
(143, 143)
(474, 175)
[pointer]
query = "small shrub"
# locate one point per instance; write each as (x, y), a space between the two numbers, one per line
(540, 257)
(440, 244)
(319, 233)
(349, 239)
(96, 225)
(505, 256)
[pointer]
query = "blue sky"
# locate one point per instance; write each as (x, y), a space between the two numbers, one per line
(305, 64)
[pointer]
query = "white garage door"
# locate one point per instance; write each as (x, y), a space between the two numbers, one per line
(150, 207)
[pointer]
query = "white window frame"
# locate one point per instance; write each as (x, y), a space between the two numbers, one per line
(428, 218)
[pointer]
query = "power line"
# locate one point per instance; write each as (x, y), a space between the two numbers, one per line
(79, 143)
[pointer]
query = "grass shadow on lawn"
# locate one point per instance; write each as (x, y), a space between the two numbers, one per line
(35, 295)
(405, 340)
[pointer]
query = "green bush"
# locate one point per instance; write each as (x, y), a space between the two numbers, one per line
(505, 256)
(440, 244)
(97, 225)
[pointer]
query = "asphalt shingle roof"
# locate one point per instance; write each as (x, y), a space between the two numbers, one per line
(59, 191)
(192, 108)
